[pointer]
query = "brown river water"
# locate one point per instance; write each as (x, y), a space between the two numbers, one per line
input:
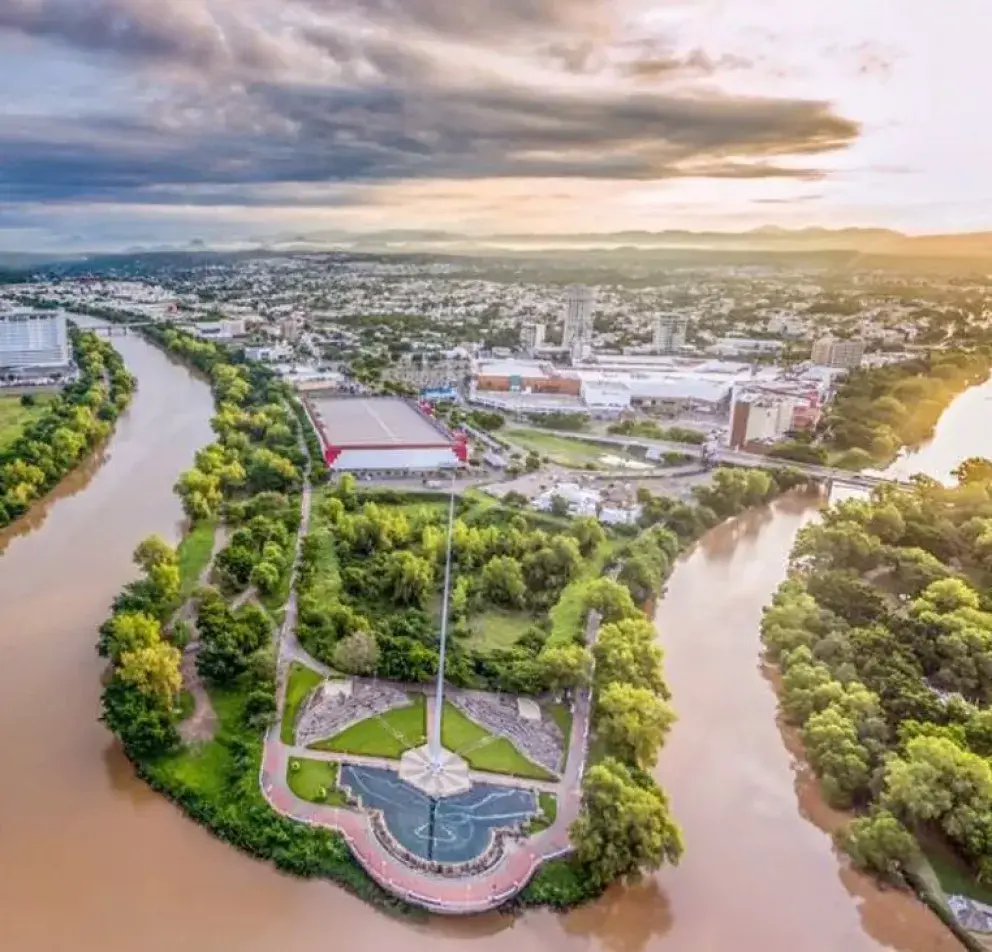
(93, 861)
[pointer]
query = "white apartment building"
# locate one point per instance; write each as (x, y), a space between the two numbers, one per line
(670, 332)
(831, 352)
(578, 314)
(33, 340)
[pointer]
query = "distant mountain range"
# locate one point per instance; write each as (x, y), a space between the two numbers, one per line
(873, 241)
(851, 242)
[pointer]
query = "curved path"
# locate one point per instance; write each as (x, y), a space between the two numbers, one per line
(467, 894)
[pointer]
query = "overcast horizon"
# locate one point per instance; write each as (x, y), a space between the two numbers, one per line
(133, 122)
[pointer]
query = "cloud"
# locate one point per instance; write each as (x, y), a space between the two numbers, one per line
(221, 97)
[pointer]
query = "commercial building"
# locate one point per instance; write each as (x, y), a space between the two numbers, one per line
(532, 337)
(766, 413)
(382, 435)
(525, 376)
(670, 332)
(832, 352)
(33, 341)
(578, 314)
(221, 330)
(745, 347)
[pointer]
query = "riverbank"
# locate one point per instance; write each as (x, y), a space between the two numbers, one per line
(50, 443)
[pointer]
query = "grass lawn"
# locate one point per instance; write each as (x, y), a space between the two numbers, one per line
(561, 714)
(566, 614)
(204, 768)
(377, 736)
(498, 756)
(954, 877)
(497, 628)
(561, 449)
(302, 680)
(316, 781)
(194, 554)
(14, 417)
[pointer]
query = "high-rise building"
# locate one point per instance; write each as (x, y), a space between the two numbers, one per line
(669, 332)
(578, 314)
(531, 336)
(831, 352)
(33, 340)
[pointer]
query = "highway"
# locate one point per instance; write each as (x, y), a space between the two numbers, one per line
(737, 458)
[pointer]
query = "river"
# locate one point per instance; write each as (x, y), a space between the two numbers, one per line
(92, 861)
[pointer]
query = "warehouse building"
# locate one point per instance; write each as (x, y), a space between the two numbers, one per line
(382, 435)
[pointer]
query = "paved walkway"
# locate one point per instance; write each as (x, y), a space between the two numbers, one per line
(468, 894)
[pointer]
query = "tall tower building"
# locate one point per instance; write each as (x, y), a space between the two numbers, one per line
(578, 314)
(531, 336)
(670, 332)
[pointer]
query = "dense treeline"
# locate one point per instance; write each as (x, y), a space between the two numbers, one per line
(77, 420)
(217, 782)
(878, 411)
(650, 430)
(380, 615)
(883, 633)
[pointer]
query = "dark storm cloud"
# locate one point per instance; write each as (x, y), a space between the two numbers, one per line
(329, 101)
(182, 31)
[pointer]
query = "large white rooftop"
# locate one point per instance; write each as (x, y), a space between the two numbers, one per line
(374, 422)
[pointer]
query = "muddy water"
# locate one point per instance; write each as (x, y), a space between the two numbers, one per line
(91, 861)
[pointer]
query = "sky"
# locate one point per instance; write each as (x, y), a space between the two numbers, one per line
(145, 122)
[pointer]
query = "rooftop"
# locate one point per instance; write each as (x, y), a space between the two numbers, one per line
(373, 421)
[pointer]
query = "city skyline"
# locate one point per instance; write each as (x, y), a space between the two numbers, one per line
(132, 123)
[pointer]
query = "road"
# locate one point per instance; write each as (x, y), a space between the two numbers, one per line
(738, 458)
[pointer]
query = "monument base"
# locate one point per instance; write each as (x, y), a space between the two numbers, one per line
(446, 777)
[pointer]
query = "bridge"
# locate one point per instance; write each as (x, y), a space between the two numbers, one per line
(828, 474)
(121, 329)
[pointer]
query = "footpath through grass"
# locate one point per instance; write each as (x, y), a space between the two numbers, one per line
(387, 735)
(14, 417)
(194, 554)
(301, 681)
(315, 781)
(493, 754)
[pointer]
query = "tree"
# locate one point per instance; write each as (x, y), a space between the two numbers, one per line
(128, 631)
(627, 651)
(532, 463)
(633, 722)
(503, 582)
(879, 844)
(409, 578)
(641, 577)
(837, 755)
(624, 827)
(973, 470)
(560, 506)
(847, 595)
(265, 577)
(610, 599)
(565, 667)
(154, 671)
(936, 781)
(145, 727)
(357, 654)
(588, 533)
